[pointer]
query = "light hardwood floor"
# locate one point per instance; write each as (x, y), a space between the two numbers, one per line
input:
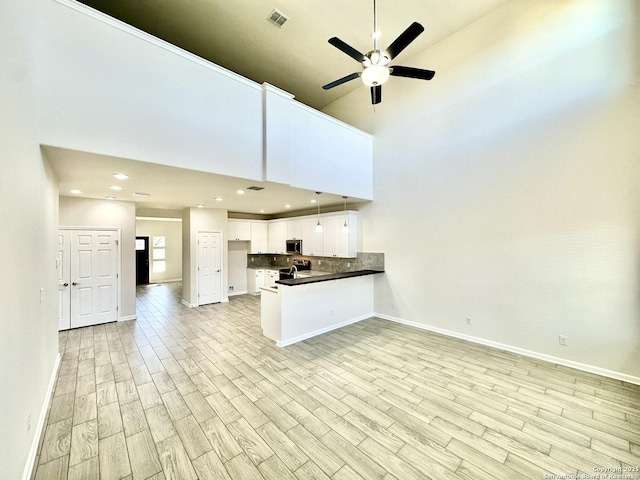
(199, 393)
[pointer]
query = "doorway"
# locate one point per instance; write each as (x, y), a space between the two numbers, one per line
(88, 276)
(142, 260)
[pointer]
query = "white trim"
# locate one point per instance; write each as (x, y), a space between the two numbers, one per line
(97, 15)
(233, 294)
(159, 219)
(291, 341)
(128, 318)
(187, 304)
(521, 351)
(169, 280)
(267, 87)
(31, 458)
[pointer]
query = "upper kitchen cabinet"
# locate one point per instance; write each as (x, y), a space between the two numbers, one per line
(239, 230)
(307, 149)
(340, 235)
(278, 236)
(145, 99)
(259, 237)
(294, 229)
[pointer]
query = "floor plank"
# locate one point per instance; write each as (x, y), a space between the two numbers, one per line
(186, 393)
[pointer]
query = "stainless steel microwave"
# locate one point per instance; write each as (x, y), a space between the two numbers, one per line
(294, 246)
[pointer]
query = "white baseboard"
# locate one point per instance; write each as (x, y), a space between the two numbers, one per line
(187, 304)
(31, 458)
(127, 318)
(291, 341)
(521, 351)
(233, 294)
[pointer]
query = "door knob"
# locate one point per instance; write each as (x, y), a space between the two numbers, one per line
(74, 283)
(65, 284)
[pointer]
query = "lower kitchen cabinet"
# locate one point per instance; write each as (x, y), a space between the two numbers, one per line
(270, 277)
(255, 279)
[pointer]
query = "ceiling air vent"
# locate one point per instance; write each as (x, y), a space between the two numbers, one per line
(253, 187)
(277, 18)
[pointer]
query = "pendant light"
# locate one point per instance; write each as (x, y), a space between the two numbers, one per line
(318, 225)
(345, 227)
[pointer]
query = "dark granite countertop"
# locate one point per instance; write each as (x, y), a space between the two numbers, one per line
(325, 278)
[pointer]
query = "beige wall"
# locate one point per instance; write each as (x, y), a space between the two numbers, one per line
(87, 212)
(172, 231)
(28, 215)
(510, 183)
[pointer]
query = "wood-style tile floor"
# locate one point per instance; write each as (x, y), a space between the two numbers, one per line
(199, 393)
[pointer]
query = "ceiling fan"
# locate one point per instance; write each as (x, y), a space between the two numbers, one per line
(376, 62)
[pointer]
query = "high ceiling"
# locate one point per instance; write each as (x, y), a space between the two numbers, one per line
(295, 57)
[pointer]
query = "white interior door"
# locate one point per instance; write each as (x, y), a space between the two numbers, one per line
(209, 271)
(87, 277)
(64, 272)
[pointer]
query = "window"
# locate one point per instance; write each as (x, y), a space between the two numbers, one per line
(159, 252)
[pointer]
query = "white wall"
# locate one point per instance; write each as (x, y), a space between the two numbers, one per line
(87, 212)
(171, 229)
(111, 89)
(509, 185)
(193, 221)
(28, 194)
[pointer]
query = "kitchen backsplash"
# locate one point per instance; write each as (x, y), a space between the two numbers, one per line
(363, 261)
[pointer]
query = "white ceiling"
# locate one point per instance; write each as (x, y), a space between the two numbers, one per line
(177, 188)
(296, 58)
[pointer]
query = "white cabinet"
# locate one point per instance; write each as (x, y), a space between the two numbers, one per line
(336, 241)
(333, 241)
(312, 241)
(255, 280)
(270, 277)
(259, 237)
(294, 229)
(278, 236)
(239, 230)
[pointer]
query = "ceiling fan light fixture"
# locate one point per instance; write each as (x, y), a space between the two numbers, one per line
(375, 75)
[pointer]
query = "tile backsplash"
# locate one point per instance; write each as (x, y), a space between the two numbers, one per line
(363, 261)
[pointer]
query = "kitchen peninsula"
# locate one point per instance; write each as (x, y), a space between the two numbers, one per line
(300, 308)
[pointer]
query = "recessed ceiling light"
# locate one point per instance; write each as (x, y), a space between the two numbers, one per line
(219, 199)
(200, 205)
(141, 194)
(313, 200)
(109, 197)
(115, 187)
(120, 176)
(287, 206)
(262, 210)
(240, 192)
(75, 191)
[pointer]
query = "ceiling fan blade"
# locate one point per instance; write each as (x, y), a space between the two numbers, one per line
(405, 38)
(348, 49)
(376, 94)
(340, 81)
(411, 72)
